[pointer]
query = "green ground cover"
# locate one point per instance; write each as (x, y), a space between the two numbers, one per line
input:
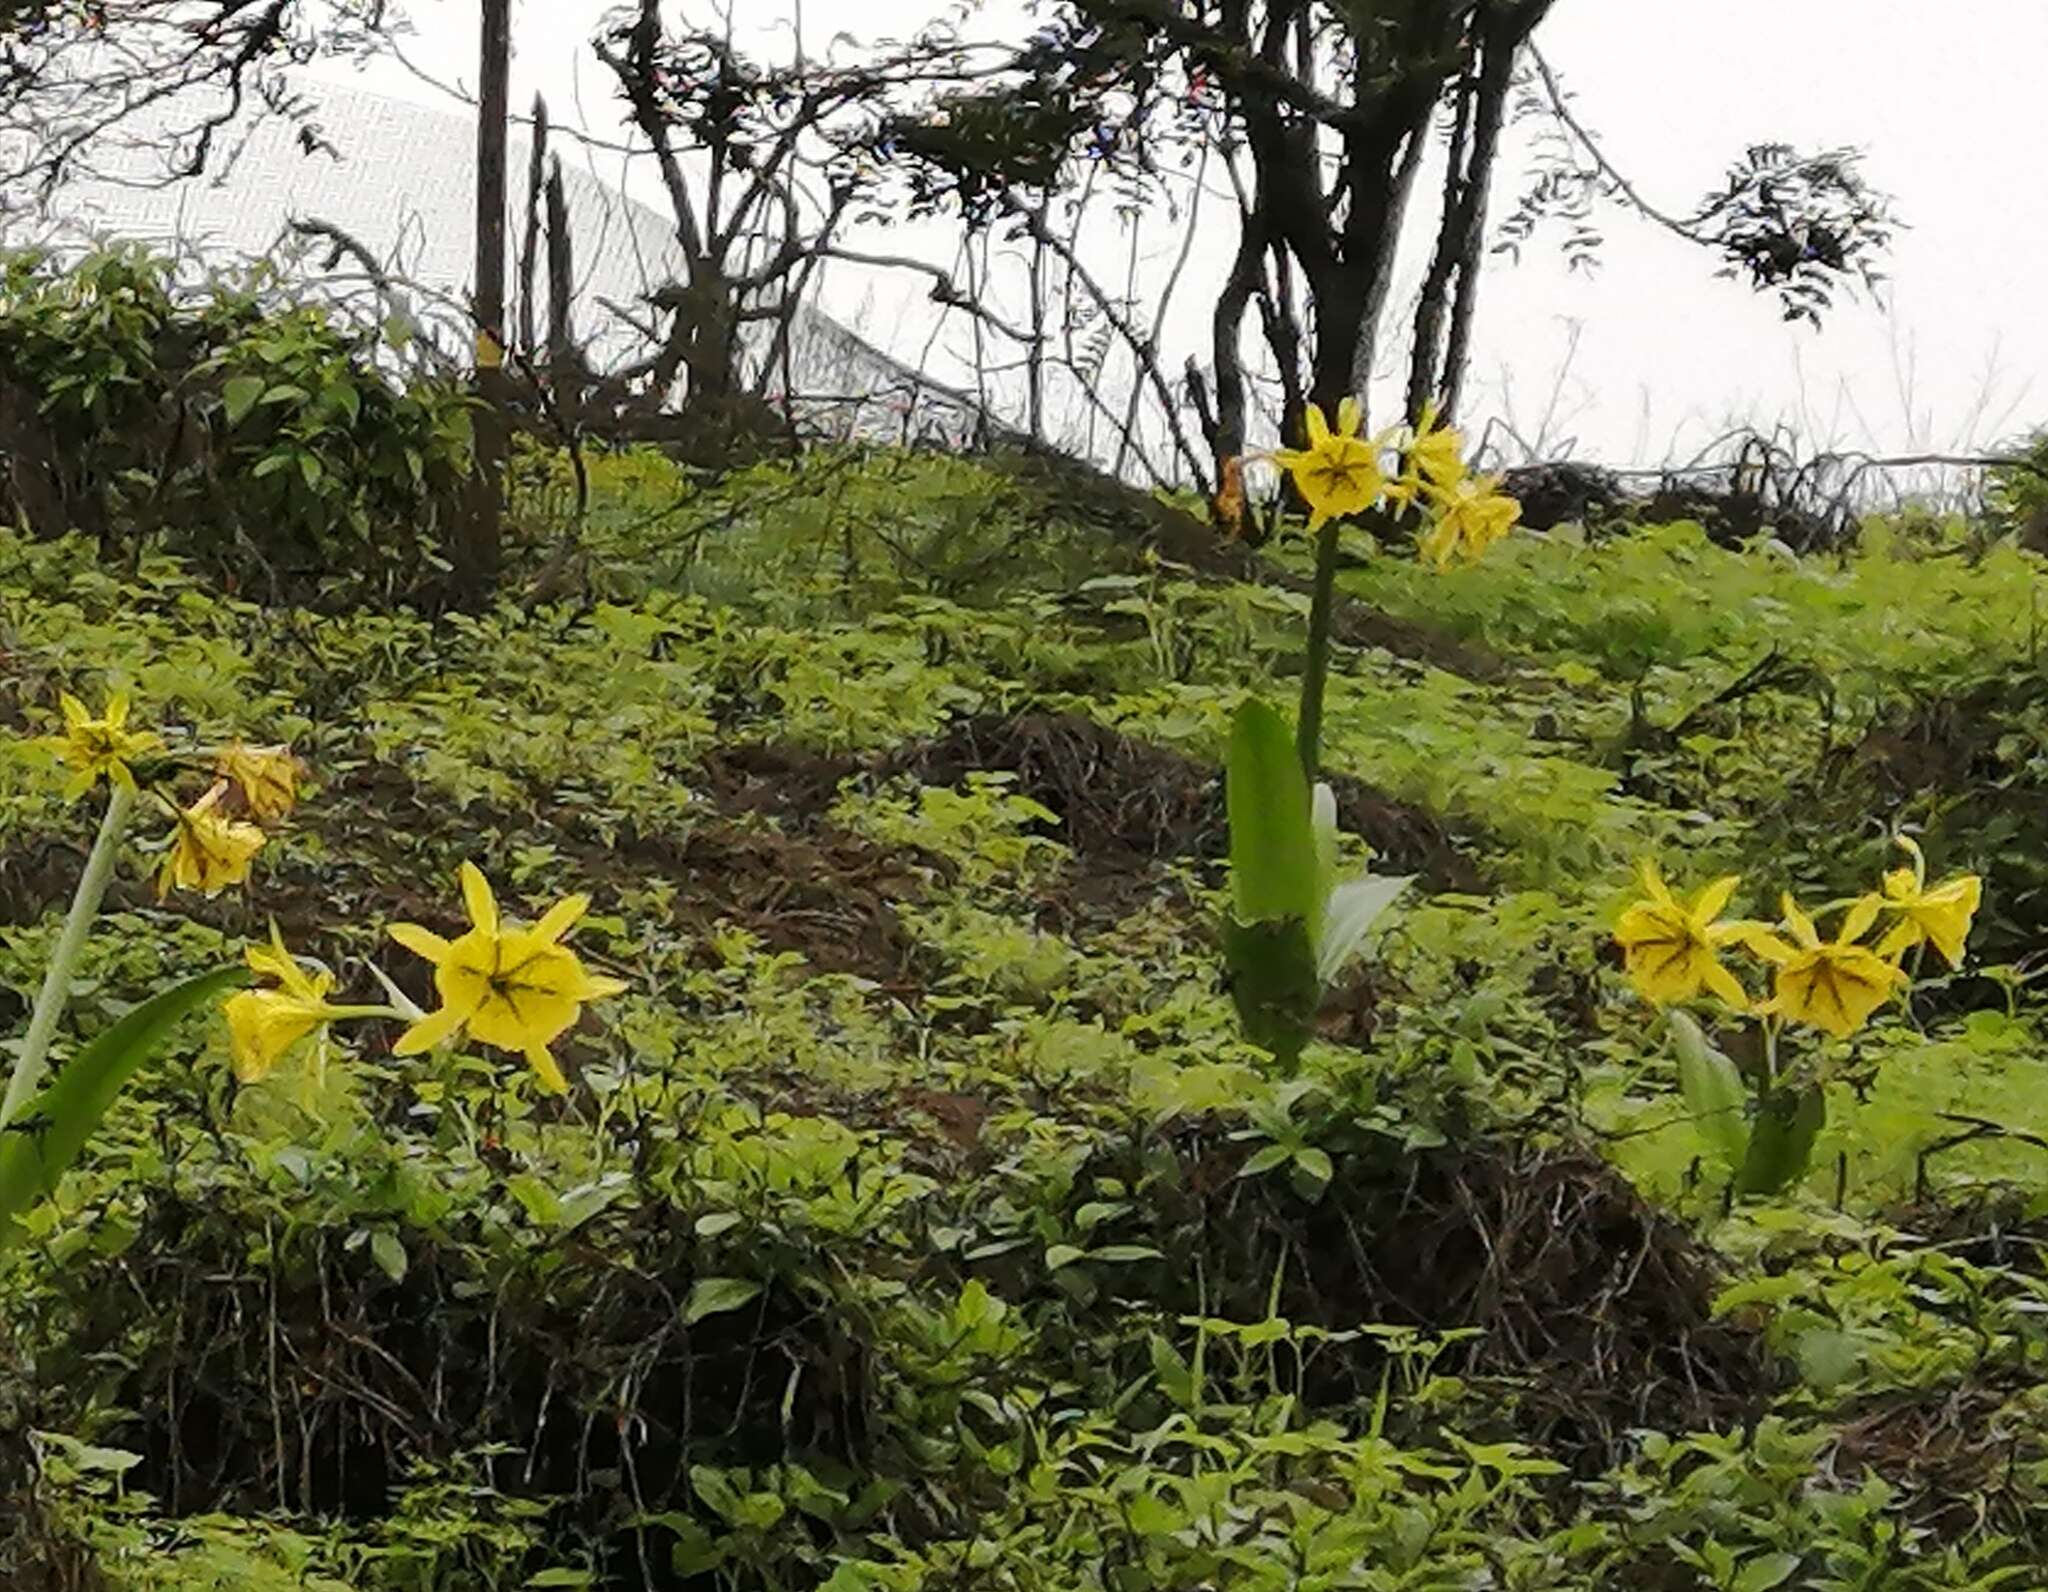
(917, 1218)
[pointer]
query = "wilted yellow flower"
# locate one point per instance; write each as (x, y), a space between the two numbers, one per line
(263, 1024)
(267, 776)
(1471, 518)
(514, 989)
(209, 851)
(1671, 950)
(1338, 474)
(1832, 984)
(1939, 917)
(104, 745)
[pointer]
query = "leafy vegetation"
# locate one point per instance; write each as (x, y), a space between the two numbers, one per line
(917, 1215)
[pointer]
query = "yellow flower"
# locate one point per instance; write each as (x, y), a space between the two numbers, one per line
(1338, 474)
(209, 851)
(103, 745)
(1433, 459)
(1939, 917)
(1833, 984)
(1473, 516)
(265, 1023)
(267, 776)
(1670, 949)
(513, 989)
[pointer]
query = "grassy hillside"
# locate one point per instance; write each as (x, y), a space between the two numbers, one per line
(917, 1218)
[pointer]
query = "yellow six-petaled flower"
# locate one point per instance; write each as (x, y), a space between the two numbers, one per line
(1834, 985)
(264, 1024)
(1472, 516)
(1939, 917)
(92, 747)
(1672, 951)
(1338, 474)
(516, 989)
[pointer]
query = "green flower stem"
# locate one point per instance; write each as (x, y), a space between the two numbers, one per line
(34, 1060)
(1308, 734)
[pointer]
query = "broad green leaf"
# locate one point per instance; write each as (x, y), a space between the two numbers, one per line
(1762, 1574)
(711, 1296)
(388, 1253)
(240, 396)
(1312, 1167)
(1348, 916)
(54, 1127)
(1264, 1159)
(1271, 969)
(1059, 1255)
(1781, 1142)
(1713, 1091)
(1273, 875)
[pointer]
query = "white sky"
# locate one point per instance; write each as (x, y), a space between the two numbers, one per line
(1666, 355)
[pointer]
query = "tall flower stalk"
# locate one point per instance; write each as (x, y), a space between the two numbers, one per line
(33, 1062)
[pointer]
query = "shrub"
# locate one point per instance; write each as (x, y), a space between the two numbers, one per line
(258, 436)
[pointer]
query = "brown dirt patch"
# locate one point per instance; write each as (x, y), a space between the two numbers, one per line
(828, 895)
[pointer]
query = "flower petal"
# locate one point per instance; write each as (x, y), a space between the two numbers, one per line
(477, 897)
(1349, 416)
(1725, 984)
(421, 942)
(1799, 923)
(545, 1067)
(1857, 920)
(1714, 897)
(1318, 428)
(560, 918)
(429, 1031)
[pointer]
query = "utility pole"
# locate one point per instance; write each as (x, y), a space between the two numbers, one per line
(483, 543)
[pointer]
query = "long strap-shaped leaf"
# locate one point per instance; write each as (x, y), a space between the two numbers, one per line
(47, 1139)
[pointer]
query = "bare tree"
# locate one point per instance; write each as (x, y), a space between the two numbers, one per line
(149, 91)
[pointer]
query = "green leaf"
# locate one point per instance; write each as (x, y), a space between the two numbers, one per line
(1271, 968)
(562, 1578)
(55, 1125)
(1058, 1255)
(388, 1253)
(1264, 1159)
(346, 399)
(711, 1296)
(240, 397)
(1348, 915)
(1313, 1167)
(1124, 1254)
(1762, 1574)
(1273, 875)
(1713, 1090)
(1788, 1120)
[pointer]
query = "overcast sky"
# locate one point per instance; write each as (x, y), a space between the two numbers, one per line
(1653, 355)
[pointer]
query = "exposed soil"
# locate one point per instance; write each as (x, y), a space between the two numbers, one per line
(1125, 804)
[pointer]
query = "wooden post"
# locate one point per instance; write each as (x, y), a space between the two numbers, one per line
(483, 547)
